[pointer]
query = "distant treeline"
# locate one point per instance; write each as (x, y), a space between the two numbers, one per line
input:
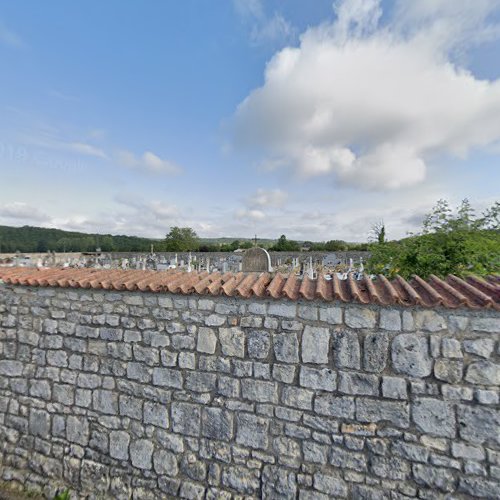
(38, 239)
(28, 239)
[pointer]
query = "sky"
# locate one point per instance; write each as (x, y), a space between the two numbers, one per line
(314, 119)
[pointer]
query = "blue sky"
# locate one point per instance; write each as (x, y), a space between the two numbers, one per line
(314, 119)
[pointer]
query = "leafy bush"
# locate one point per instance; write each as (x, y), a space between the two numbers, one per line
(450, 243)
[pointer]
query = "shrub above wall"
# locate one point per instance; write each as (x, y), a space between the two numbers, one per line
(168, 395)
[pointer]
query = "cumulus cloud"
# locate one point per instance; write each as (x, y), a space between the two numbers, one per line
(148, 162)
(264, 198)
(370, 104)
(251, 214)
(20, 211)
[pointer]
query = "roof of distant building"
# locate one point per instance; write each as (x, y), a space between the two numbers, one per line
(453, 292)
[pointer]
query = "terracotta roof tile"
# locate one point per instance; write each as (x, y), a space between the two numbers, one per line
(453, 292)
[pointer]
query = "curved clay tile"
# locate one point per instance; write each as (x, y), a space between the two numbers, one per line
(387, 292)
(259, 287)
(374, 291)
(355, 291)
(291, 287)
(202, 286)
(307, 288)
(230, 286)
(452, 292)
(244, 289)
(430, 296)
(324, 289)
(473, 293)
(274, 288)
(450, 295)
(411, 296)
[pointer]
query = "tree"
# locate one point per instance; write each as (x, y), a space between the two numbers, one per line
(181, 239)
(378, 232)
(284, 245)
(451, 242)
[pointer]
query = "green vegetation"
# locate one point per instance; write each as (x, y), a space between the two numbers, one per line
(38, 239)
(181, 239)
(451, 242)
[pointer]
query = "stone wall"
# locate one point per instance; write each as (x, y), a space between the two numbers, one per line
(121, 395)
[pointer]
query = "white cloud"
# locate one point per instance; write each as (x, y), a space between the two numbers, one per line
(371, 104)
(85, 149)
(264, 198)
(20, 211)
(263, 29)
(148, 162)
(252, 214)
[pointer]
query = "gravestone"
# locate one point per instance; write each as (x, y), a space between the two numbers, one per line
(331, 260)
(256, 260)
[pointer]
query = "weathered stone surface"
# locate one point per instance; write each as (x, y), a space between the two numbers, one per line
(331, 315)
(448, 370)
(105, 402)
(260, 391)
(483, 372)
(166, 377)
(372, 410)
(394, 388)
(259, 343)
(141, 452)
(165, 462)
(429, 320)
(278, 483)
(232, 341)
(485, 324)
(334, 406)
(283, 310)
(286, 347)
(478, 487)
(315, 345)
(433, 477)
(433, 416)
(410, 355)
(156, 414)
(297, 398)
(358, 383)
(375, 351)
(478, 425)
(360, 317)
(323, 379)
(390, 319)
(240, 479)
(186, 418)
(11, 368)
(333, 486)
(118, 444)
(252, 431)
(346, 350)
(480, 347)
(77, 430)
(217, 424)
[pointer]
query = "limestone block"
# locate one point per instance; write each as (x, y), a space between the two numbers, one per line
(346, 349)
(232, 341)
(360, 317)
(323, 379)
(435, 417)
(286, 347)
(410, 355)
(141, 453)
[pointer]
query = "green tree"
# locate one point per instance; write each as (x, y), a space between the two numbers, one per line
(451, 242)
(181, 239)
(284, 245)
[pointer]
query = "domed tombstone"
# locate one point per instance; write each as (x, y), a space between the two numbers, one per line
(256, 260)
